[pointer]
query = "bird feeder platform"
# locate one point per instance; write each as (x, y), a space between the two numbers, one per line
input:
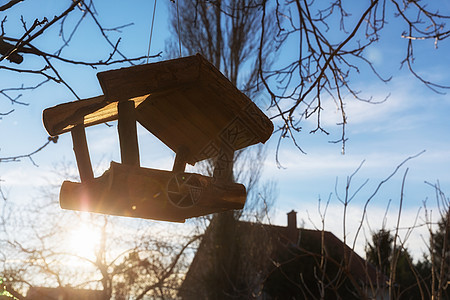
(193, 109)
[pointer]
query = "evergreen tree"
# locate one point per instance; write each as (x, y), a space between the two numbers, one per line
(381, 254)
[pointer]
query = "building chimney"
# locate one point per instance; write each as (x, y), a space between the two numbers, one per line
(292, 219)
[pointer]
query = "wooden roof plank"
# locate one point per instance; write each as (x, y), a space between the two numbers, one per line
(170, 133)
(185, 102)
(126, 83)
(63, 117)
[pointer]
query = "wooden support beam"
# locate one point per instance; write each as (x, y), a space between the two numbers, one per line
(129, 148)
(81, 150)
(223, 166)
(179, 165)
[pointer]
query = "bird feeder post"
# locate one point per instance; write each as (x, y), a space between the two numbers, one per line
(223, 166)
(129, 148)
(179, 165)
(81, 150)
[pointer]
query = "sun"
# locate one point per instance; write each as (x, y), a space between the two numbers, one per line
(84, 240)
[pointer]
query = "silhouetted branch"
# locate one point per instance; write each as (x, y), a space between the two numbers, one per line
(17, 48)
(326, 55)
(29, 155)
(10, 4)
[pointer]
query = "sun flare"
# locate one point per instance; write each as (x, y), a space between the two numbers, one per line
(84, 240)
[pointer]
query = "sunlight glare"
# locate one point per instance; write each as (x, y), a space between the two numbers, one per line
(84, 240)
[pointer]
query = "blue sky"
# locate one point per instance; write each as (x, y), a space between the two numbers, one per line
(413, 119)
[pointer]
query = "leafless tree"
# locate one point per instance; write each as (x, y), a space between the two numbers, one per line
(398, 275)
(314, 268)
(322, 67)
(23, 54)
(28, 57)
(439, 244)
(224, 32)
(130, 258)
(331, 40)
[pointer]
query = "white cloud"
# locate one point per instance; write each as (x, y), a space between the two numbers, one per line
(375, 55)
(321, 163)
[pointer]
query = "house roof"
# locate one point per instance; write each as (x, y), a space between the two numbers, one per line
(291, 240)
(187, 103)
(63, 293)
(358, 267)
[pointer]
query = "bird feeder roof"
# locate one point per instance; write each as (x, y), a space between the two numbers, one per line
(187, 103)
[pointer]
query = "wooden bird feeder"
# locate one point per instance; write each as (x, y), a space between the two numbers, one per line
(193, 109)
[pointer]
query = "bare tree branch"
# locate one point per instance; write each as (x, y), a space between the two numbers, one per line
(10, 4)
(29, 155)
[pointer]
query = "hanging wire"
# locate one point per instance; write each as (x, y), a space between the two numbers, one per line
(151, 31)
(178, 28)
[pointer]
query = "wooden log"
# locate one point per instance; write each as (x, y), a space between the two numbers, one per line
(81, 150)
(130, 191)
(129, 148)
